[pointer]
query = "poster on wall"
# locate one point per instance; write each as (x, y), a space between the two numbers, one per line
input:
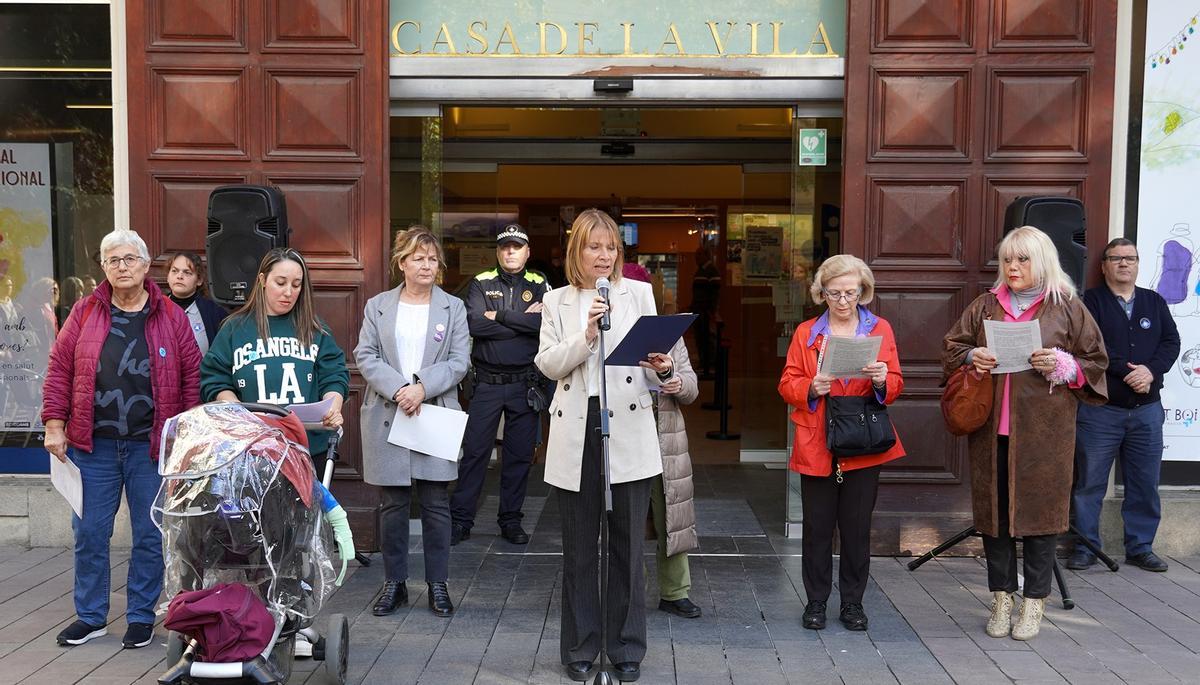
(1168, 216)
(27, 290)
(474, 258)
(762, 257)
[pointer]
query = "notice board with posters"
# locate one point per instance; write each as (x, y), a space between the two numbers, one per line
(27, 317)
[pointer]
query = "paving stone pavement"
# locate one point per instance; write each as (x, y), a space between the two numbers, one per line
(926, 626)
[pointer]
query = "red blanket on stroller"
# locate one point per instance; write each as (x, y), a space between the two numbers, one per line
(228, 621)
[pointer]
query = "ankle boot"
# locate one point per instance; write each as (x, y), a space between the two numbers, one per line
(1030, 620)
(439, 600)
(393, 596)
(1000, 622)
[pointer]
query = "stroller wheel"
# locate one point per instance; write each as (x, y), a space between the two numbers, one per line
(337, 648)
(176, 643)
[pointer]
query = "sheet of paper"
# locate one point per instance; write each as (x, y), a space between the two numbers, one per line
(436, 431)
(312, 412)
(68, 481)
(845, 357)
(1012, 342)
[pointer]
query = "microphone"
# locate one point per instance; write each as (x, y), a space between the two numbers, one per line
(602, 286)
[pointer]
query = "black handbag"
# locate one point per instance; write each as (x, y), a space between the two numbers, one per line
(857, 425)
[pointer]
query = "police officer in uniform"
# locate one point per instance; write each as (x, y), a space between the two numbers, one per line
(504, 308)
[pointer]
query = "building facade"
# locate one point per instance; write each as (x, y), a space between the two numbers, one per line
(697, 132)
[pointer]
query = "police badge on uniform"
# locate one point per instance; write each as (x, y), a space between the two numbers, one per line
(527, 296)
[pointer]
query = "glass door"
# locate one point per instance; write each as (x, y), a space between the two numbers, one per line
(416, 170)
(813, 236)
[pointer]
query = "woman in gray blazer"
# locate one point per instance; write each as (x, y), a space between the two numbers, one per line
(412, 350)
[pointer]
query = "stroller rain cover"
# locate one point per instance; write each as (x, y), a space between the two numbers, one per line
(230, 512)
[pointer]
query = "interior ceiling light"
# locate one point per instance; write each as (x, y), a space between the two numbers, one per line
(698, 213)
(58, 70)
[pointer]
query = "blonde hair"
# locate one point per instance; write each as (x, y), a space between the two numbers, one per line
(581, 230)
(843, 265)
(1044, 267)
(409, 241)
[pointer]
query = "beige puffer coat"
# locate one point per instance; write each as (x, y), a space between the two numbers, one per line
(676, 462)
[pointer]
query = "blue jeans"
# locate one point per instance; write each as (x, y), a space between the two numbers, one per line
(111, 466)
(1136, 436)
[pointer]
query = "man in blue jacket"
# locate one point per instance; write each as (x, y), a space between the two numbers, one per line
(504, 313)
(1142, 344)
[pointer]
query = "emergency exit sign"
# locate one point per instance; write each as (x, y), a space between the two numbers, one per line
(812, 147)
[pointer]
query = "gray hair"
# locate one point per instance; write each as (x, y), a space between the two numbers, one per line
(121, 237)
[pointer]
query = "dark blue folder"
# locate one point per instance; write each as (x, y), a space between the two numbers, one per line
(649, 334)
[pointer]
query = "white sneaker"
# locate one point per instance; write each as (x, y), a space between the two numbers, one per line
(303, 648)
(1030, 620)
(1000, 622)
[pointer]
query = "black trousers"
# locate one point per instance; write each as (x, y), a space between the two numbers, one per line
(520, 434)
(435, 530)
(1001, 551)
(581, 512)
(848, 506)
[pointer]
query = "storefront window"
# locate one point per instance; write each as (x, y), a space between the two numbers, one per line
(56, 192)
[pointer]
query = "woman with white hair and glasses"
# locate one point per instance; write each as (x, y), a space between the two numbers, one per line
(124, 362)
(1023, 455)
(837, 491)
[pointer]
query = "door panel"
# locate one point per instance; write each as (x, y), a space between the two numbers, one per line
(213, 102)
(953, 110)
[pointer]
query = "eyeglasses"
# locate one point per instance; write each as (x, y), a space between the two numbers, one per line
(115, 262)
(1121, 259)
(837, 296)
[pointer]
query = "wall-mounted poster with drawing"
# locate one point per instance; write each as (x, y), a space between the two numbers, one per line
(1168, 216)
(27, 288)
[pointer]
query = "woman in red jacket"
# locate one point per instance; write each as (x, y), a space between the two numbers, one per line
(843, 496)
(124, 362)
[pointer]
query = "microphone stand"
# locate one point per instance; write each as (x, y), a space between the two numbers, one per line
(603, 677)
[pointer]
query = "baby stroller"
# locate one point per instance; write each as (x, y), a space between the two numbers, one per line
(240, 505)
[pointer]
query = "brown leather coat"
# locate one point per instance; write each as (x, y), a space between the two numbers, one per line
(1041, 423)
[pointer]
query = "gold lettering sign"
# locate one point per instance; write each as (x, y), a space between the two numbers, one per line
(511, 41)
(717, 40)
(562, 38)
(478, 37)
(729, 39)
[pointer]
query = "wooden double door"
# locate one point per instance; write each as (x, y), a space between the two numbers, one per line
(953, 109)
(290, 93)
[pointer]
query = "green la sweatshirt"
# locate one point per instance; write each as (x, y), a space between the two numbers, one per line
(277, 370)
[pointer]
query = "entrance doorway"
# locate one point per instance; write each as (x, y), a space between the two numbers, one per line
(683, 183)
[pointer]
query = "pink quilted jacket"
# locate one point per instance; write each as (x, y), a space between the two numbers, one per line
(70, 389)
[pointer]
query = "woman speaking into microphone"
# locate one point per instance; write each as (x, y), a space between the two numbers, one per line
(569, 353)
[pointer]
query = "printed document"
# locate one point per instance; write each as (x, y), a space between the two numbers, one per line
(68, 481)
(845, 357)
(436, 431)
(312, 412)
(1012, 343)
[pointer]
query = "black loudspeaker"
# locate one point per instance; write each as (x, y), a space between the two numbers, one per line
(1061, 218)
(244, 223)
